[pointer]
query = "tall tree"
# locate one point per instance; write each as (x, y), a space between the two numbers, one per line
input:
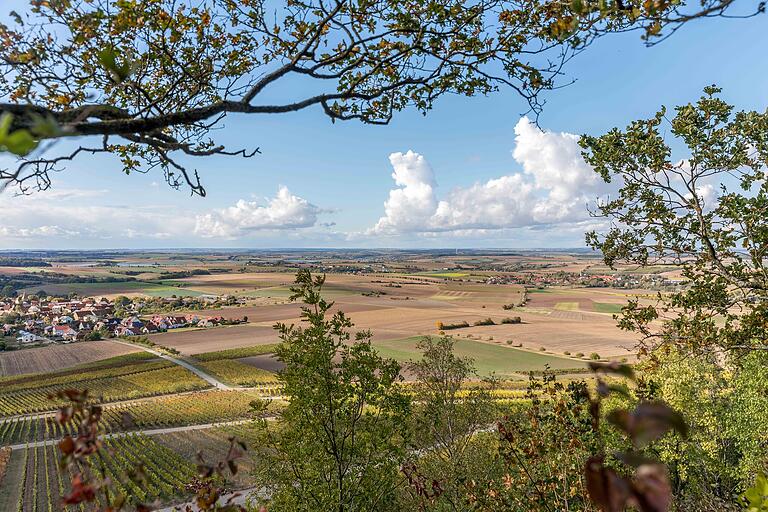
(339, 443)
(150, 80)
(705, 212)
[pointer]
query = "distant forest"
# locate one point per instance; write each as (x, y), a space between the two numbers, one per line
(22, 262)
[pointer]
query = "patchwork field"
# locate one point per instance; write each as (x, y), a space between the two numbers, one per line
(59, 357)
(398, 307)
(512, 314)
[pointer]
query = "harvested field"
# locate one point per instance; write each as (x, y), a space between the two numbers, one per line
(265, 362)
(218, 338)
(559, 319)
(59, 357)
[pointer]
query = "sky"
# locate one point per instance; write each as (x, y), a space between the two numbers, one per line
(473, 173)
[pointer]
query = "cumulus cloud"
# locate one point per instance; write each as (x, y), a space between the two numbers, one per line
(411, 206)
(554, 187)
(72, 216)
(283, 212)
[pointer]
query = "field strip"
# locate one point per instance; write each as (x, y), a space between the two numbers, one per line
(134, 401)
(147, 432)
(197, 371)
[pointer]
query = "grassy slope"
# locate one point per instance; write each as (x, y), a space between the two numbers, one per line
(607, 307)
(488, 358)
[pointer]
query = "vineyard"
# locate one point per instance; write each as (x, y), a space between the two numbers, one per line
(162, 412)
(237, 353)
(40, 482)
(103, 364)
(237, 373)
(138, 380)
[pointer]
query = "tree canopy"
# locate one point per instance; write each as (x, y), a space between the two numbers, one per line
(149, 80)
(706, 213)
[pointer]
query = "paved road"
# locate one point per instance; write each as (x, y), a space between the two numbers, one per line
(197, 371)
(148, 432)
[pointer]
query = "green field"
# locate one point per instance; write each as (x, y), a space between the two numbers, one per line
(329, 292)
(501, 360)
(607, 307)
(123, 288)
(444, 274)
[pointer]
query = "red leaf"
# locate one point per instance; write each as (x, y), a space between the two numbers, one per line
(607, 490)
(67, 446)
(652, 491)
(81, 491)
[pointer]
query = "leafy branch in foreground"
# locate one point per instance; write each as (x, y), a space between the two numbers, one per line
(151, 80)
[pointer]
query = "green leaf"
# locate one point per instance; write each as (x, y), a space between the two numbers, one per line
(20, 142)
(108, 60)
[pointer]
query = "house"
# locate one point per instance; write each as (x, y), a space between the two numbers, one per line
(123, 330)
(132, 323)
(174, 322)
(85, 316)
(149, 328)
(64, 332)
(28, 337)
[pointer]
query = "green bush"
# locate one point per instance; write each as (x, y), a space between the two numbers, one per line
(487, 321)
(594, 356)
(512, 320)
(459, 325)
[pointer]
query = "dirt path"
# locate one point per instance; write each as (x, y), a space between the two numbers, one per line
(184, 364)
(236, 497)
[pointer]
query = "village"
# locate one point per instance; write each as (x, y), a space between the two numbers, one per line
(33, 320)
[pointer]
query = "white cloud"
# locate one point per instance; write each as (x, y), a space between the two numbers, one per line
(554, 187)
(66, 214)
(411, 206)
(282, 212)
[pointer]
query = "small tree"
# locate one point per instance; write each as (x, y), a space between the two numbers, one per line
(341, 439)
(448, 421)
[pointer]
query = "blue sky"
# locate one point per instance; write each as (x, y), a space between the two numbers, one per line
(318, 184)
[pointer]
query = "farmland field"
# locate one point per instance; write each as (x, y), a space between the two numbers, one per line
(31, 394)
(397, 307)
(58, 357)
(488, 358)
